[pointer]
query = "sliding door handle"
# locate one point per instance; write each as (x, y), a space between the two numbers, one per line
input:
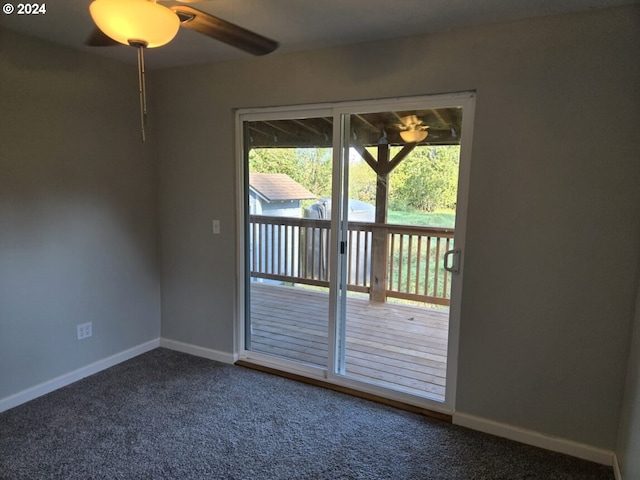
(453, 266)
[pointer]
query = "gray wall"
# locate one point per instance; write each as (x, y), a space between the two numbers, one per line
(629, 436)
(554, 208)
(78, 213)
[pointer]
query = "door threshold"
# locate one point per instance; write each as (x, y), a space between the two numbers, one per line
(349, 391)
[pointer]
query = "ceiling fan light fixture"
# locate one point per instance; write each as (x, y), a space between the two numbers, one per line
(140, 21)
(412, 130)
(413, 136)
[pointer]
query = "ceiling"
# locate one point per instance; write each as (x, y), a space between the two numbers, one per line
(296, 24)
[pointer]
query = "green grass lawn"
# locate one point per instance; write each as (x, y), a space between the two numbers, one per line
(439, 218)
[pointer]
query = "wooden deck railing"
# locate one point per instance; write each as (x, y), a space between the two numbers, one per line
(296, 250)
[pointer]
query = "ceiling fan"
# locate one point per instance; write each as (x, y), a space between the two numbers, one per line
(150, 24)
(154, 24)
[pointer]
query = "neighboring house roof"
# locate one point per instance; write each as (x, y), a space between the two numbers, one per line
(278, 186)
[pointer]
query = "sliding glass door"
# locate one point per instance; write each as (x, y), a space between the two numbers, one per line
(288, 169)
(353, 233)
(401, 183)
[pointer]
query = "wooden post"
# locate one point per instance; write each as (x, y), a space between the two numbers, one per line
(379, 261)
(383, 166)
(382, 182)
(379, 240)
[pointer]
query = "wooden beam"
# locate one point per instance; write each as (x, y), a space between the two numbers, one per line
(276, 127)
(399, 157)
(444, 115)
(400, 121)
(364, 153)
(305, 126)
(367, 122)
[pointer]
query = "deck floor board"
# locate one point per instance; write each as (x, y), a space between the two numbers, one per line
(399, 346)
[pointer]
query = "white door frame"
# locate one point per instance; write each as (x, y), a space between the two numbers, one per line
(466, 100)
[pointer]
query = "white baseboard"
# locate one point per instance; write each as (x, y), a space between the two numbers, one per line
(536, 439)
(203, 352)
(71, 377)
(616, 468)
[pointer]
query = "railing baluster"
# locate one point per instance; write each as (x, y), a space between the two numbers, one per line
(367, 250)
(254, 255)
(320, 240)
(355, 250)
(418, 262)
(354, 257)
(324, 264)
(271, 248)
(349, 256)
(282, 249)
(409, 258)
(265, 246)
(294, 250)
(285, 255)
(392, 247)
(427, 268)
(275, 249)
(261, 246)
(313, 253)
(268, 241)
(400, 260)
(327, 236)
(302, 253)
(436, 275)
(321, 254)
(320, 270)
(445, 280)
(305, 253)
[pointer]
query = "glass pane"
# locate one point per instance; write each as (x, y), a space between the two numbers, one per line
(402, 191)
(289, 211)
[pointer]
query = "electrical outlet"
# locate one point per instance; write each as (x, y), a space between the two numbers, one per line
(216, 227)
(84, 330)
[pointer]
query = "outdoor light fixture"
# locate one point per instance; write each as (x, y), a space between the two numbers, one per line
(412, 130)
(135, 22)
(413, 136)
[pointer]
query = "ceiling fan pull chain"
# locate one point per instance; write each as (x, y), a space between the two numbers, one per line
(142, 88)
(141, 24)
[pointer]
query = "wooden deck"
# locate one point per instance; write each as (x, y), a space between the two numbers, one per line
(403, 347)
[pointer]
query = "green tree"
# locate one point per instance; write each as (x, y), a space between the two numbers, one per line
(272, 160)
(426, 180)
(362, 182)
(310, 167)
(314, 170)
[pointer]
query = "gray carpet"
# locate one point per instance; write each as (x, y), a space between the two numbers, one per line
(175, 416)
